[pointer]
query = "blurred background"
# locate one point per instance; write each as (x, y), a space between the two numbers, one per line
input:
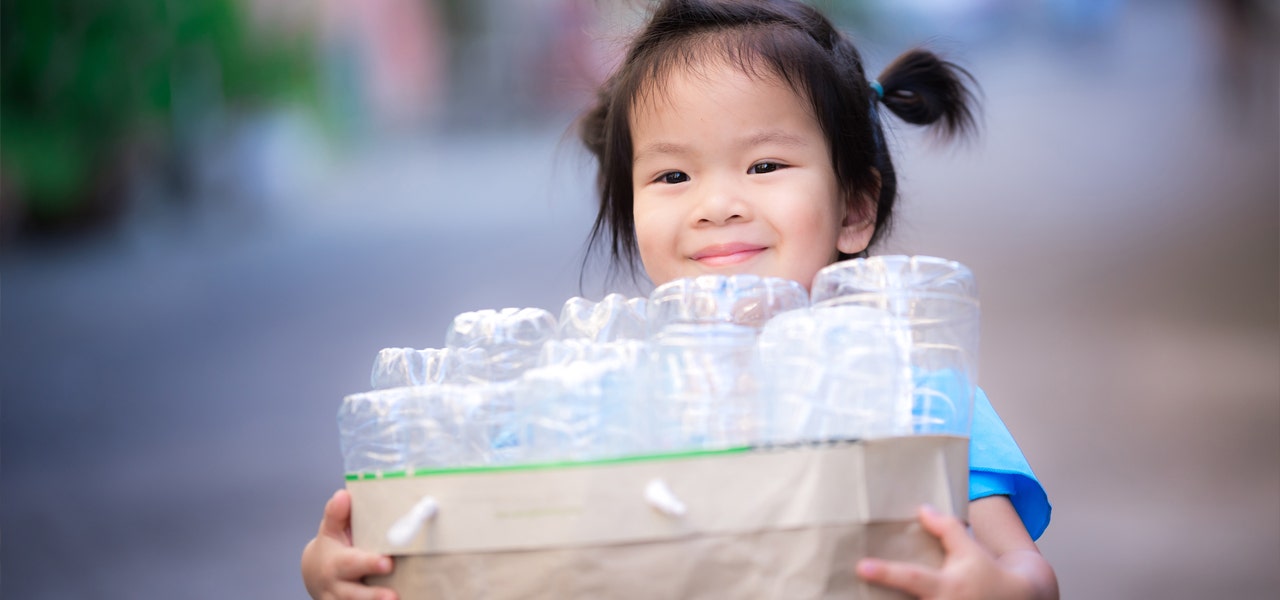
(213, 213)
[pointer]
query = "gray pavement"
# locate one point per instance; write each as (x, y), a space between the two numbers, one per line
(169, 389)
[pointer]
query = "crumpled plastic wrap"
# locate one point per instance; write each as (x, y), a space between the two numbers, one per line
(399, 367)
(612, 319)
(887, 348)
(511, 338)
(746, 300)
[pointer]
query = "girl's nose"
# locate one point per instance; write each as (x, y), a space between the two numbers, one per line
(720, 203)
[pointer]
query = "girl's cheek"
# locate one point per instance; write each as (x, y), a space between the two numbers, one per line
(644, 238)
(649, 227)
(655, 256)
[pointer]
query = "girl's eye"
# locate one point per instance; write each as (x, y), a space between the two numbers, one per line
(764, 167)
(673, 177)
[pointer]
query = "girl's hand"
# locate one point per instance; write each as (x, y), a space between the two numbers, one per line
(332, 568)
(969, 571)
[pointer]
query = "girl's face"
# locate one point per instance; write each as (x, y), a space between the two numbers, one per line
(732, 174)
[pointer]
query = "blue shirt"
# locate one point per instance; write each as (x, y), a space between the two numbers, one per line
(997, 467)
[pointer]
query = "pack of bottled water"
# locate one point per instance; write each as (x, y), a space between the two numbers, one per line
(878, 347)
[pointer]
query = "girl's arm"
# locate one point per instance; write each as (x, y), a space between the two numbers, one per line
(998, 562)
(999, 530)
(332, 568)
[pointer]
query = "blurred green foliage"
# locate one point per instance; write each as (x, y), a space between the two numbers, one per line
(78, 78)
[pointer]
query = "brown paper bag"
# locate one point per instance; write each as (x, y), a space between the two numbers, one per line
(764, 523)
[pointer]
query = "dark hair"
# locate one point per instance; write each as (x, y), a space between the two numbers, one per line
(800, 46)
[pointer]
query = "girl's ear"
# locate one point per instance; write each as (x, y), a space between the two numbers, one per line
(859, 219)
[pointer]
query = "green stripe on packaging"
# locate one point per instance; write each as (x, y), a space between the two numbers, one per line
(431, 472)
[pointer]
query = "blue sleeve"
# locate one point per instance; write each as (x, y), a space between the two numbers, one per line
(997, 467)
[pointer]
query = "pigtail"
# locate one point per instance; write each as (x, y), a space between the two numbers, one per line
(591, 129)
(609, 145)
(923, 89)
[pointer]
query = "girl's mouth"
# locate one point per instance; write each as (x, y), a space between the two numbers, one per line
(720, 255)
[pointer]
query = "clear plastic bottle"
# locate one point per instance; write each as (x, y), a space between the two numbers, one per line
(703, 383)
(938, 301)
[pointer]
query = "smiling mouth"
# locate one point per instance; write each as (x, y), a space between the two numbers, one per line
(730, 254)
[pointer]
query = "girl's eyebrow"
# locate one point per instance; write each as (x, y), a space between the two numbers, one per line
(758, 138)
(660, 148)
(775, 136)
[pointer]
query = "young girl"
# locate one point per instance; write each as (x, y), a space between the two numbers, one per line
(744, 137)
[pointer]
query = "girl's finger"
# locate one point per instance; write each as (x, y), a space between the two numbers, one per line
(337, 516)
(345, 590)
(948, 529)
(913, 579)
(353, 564)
